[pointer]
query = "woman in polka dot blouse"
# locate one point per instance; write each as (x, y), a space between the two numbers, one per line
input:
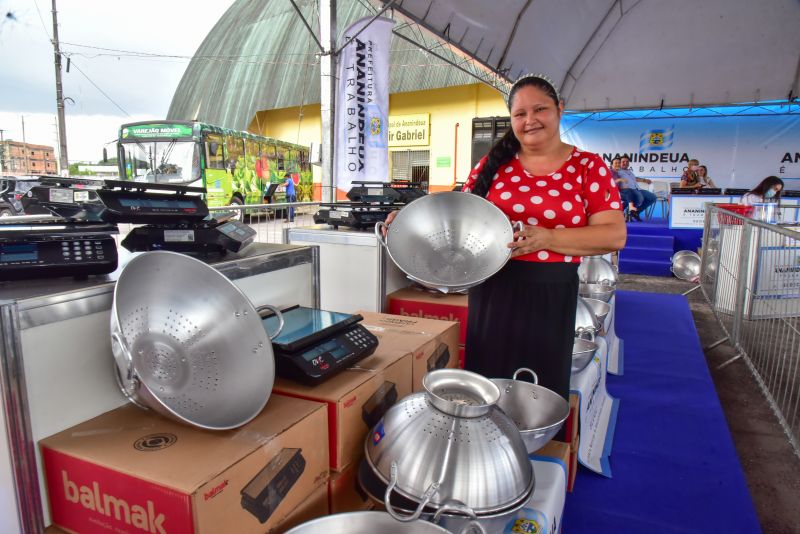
(524, 316)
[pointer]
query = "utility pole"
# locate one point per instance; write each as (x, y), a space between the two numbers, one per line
(327, 32)
(62, 125)
(25, 147)
(2, 152)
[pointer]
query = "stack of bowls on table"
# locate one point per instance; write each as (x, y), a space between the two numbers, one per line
(587, 326)
(455, 451)
(598, 278)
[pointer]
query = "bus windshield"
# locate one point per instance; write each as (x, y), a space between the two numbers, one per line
(163, 161)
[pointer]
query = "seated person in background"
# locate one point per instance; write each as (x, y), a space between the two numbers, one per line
(769, 190)
(705, 179)
(641, 198)
(624, 191)
(689, 177)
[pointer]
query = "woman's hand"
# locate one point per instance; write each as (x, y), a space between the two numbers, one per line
(530, 239)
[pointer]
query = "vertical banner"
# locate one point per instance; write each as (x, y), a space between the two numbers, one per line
(362, 104)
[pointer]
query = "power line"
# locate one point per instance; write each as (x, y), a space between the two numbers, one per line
(98, 88)
(44, 27)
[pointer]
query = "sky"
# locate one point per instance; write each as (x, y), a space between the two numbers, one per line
(106, 87)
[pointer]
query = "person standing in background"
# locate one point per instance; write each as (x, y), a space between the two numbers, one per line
(291, 195)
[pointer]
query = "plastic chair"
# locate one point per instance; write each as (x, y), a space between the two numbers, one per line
(661, 190)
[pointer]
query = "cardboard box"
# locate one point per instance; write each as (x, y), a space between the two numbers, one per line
(562, 452)
(356, 399)
(423, 304)
(130, 471)
(573, 462)
(573, 420)
(433, 343)
(344, 495)
(314, 506)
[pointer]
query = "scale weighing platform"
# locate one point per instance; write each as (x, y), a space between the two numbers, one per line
(316, 344)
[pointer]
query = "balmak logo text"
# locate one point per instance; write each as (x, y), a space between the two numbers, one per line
(423, 315)
(215, 491)
(142, 517)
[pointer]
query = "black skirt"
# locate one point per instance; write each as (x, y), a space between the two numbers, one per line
(524, 316)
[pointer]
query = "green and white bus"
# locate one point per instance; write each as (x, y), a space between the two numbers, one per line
(234, 167)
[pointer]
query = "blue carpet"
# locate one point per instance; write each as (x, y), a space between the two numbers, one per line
(674, 463)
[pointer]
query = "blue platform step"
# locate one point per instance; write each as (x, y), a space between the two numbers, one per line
(649, 248)
(650, 241)
(648, 267)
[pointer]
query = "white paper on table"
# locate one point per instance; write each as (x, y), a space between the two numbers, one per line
(597, 412)
(616, 362)
(541, 514)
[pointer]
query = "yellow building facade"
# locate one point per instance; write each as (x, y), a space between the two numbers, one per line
(444, 143)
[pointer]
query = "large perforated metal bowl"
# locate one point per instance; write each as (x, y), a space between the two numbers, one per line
(188, 343)
(448, 241)
(451, 443)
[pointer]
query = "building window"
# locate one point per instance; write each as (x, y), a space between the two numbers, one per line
(413, 165)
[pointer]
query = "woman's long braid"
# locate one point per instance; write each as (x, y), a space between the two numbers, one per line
(502, 151)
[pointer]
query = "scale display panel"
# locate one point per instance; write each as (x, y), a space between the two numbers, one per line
(301, 322)
(316, 344)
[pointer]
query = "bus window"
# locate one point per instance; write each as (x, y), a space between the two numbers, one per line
(234, 152)
(265, 152)
(281, 158)
(214, 153)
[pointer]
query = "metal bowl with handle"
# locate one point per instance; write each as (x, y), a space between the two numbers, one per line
(686, 265)
(188, 343)
(372, 523)
(537, 411)
(600, 291)
(583, 351)
(597, 270)
(449, 241)
(586, 323)
(600, 309)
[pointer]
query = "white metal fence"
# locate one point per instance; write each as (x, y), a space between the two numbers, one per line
(751, 278)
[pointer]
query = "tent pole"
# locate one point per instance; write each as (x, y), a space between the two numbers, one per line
(327, 30)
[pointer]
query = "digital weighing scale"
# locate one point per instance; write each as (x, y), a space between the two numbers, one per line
(52, 247)
(172, 220)
(316, 344)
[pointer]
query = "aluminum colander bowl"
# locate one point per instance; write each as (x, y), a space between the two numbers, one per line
(448, 241)
(686, 265)
(188, 344)
(427, 451)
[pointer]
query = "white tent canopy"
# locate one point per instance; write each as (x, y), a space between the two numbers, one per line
(613, 54)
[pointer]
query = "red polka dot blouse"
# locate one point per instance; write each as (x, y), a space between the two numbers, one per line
(566, 198)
